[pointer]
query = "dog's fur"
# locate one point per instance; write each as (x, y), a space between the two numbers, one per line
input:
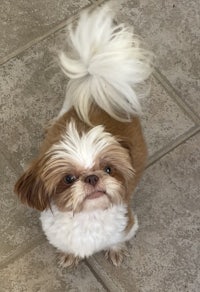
(94, 153)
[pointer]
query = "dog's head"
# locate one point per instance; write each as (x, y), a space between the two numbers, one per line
(83, 171)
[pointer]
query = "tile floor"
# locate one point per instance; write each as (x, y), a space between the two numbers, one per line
(165, 255)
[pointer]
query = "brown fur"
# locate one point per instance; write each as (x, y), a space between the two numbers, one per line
(32, 188)
(129, 133)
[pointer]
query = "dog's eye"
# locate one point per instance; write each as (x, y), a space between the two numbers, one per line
(107, 169)
(69, 179)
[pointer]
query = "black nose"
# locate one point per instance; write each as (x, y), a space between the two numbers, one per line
(91, 179)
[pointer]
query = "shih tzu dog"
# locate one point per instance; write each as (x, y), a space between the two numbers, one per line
(94, 152)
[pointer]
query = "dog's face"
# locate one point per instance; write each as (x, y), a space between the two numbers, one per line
(82, 172)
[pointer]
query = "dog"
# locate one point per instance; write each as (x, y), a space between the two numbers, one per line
(94, 153)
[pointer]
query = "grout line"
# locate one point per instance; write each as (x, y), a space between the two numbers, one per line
(96, 275)
(58, 27)
(99, 2)
(97, 270)
(31, 43)
(20, 252)
(175, 96)
(180, 140)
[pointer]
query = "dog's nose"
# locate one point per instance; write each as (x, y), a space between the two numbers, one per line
(91, 179)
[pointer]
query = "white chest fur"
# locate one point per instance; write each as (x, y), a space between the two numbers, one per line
(85, 233)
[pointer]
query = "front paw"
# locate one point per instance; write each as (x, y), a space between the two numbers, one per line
(116, 255)
(68, 260)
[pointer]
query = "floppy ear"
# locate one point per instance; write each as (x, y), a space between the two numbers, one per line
(31, 190)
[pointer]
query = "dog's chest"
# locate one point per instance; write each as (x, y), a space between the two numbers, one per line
(86, 232)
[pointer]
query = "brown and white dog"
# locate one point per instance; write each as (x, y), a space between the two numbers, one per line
(94, 152)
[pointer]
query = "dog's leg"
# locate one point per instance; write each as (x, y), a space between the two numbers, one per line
(68, 260)
(116, 253)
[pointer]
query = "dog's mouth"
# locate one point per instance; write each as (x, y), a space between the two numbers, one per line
(95, 195)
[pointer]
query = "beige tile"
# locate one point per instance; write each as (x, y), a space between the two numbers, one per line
(163, 121)
(23, 21)
(171, 30)
(19, 226)
(164, 256)
(32, 91)
(37, 271)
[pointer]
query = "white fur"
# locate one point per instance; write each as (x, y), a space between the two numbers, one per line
(82, 148)
(105, 65)
(85, 233)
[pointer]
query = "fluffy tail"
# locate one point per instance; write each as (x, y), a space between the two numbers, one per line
(105, 66)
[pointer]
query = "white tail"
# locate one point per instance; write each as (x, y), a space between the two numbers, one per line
(105, 66)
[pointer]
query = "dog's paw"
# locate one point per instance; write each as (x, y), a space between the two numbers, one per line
(116, 255)
(68, 260)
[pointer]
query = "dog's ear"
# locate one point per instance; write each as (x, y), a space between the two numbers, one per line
(31, 189)
(127, 145)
